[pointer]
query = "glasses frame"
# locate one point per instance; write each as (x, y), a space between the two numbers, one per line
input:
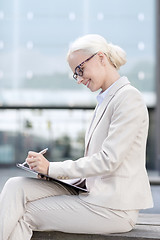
(79, 69)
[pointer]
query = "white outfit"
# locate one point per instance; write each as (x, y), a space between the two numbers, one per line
(28, 204)
(114, 168)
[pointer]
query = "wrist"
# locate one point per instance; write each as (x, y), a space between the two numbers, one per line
(48, 168)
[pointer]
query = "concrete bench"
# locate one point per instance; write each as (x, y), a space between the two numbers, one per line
(147, 227)
(154, 180)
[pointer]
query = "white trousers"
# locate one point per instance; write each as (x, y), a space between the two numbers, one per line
(29, 204)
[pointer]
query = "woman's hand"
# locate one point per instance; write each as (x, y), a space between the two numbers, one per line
(37, 162)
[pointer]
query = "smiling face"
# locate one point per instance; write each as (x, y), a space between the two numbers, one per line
(96, 72)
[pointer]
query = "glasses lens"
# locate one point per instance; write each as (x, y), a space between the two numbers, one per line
(75, 76)
(79, 71)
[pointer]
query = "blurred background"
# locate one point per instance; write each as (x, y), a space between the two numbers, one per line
(40, 104)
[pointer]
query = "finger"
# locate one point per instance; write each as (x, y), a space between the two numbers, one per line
(31, 160)
(37, 169)
(33, 166)
(33, 163)
(42, 176)
(32, 154)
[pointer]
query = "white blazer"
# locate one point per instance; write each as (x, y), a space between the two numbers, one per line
(115, 153)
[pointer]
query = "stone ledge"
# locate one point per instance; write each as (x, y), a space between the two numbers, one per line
(147, 228)
(154, 181)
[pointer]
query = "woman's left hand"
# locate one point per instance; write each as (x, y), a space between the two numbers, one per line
(37, 162)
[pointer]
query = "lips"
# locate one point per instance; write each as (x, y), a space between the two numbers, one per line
(87, 83)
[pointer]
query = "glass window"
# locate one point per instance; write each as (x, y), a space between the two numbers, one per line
(24, 130)
(35, 36)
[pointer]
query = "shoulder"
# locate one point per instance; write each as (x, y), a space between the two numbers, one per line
(129, 92)
(128, 98)
(122, 88)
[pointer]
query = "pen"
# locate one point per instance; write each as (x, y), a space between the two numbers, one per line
(41, 152)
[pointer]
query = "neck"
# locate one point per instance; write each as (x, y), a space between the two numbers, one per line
(113, 77)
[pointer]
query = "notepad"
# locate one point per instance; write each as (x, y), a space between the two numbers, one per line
(77, 184)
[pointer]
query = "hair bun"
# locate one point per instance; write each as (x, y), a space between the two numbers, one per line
(116, 55)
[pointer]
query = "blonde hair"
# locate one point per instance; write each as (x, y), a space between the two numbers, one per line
(93, 43)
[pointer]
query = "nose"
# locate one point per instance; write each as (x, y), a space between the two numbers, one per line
(79, 79)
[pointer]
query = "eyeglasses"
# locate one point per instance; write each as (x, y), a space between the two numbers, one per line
(79, 68)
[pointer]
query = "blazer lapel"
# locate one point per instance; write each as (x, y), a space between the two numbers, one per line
(99, 111)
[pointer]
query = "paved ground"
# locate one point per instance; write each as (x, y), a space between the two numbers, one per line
(6, 173)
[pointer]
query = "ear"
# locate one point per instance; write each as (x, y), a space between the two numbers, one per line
(102, 58)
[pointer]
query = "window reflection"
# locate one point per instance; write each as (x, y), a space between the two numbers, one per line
(34, 42)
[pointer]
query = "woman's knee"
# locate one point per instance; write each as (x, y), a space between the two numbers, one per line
(13, 183)
(16, 184)
(12, 187)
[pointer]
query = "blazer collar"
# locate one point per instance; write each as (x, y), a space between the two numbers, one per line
(101, 109)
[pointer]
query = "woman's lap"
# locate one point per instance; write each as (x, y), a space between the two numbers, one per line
(71, 214)
(47, 206)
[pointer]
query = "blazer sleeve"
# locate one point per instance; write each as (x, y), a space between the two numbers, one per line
(129, 124)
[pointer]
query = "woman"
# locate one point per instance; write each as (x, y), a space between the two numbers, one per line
(113, 164)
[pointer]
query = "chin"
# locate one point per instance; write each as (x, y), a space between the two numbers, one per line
(94, 89)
